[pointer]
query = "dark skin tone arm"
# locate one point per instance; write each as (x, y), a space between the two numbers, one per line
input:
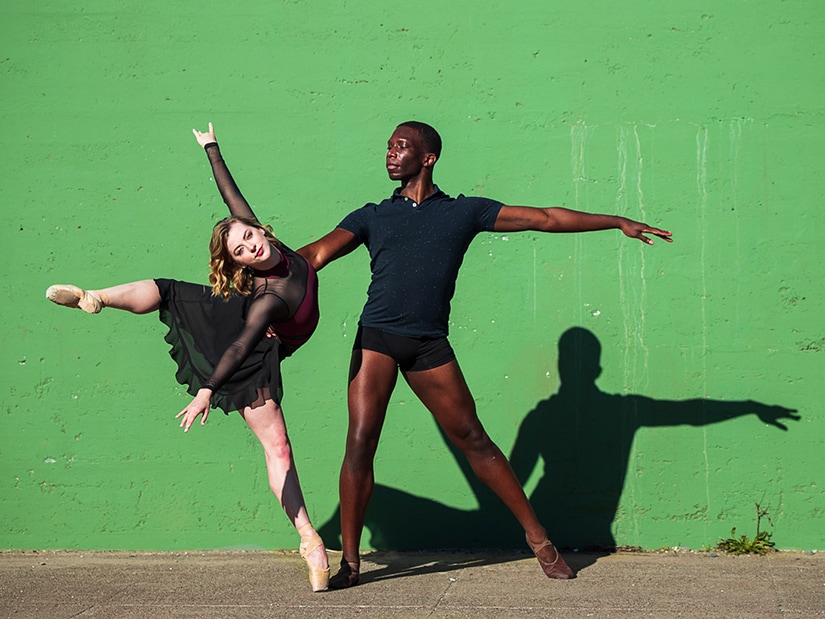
(340, 242)
(332, 246)
(558, 219)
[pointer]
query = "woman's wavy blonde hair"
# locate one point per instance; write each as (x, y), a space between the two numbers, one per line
(225, 275)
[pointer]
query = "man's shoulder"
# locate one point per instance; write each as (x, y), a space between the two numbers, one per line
(476, 206)
(363, 217)
(368, 207)
(371, 206)
(474, 199)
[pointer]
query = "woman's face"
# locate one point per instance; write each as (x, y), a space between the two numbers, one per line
(248, 246)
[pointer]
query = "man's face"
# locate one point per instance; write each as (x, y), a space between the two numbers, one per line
(405, 154)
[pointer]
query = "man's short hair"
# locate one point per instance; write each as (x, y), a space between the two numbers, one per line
(429, 136)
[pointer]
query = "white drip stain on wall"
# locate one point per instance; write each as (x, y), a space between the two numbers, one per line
(631, 259)
(578, 141)
(630, 202)
(535, 287)
(735, 135)
(702, 191)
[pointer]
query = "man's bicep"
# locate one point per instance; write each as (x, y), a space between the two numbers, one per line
(519, 218)
(332, 246)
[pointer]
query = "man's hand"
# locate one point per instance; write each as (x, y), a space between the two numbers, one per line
(637, 230)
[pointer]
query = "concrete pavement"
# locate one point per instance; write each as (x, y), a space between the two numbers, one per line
(243, 584)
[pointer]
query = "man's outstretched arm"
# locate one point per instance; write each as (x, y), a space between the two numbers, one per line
(330, 247)
(558, 219)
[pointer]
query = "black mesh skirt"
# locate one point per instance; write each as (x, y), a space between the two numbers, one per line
(201, 328)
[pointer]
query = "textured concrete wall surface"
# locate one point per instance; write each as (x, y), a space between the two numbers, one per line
(648, 396)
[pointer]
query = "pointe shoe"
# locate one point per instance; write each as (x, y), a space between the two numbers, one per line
(318, 576)
(557, 568)
(346, 577)
(72, 296)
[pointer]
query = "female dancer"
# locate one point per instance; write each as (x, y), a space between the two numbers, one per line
(259, 287)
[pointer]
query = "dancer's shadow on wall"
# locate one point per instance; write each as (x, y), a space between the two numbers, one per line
(584, 438)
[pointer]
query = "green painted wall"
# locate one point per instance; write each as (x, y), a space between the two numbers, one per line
(706, 118)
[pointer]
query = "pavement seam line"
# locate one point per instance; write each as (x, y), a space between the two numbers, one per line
(441, 597)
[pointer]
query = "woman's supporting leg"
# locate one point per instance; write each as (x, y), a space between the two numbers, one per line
(266, 420)
(139, 297)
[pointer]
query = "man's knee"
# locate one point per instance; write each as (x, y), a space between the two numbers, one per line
(362, 441)
(473, 438)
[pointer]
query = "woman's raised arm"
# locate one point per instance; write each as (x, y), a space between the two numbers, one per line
(230, 193)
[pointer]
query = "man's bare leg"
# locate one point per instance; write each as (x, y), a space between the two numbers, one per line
(444, 392)
(372, 379)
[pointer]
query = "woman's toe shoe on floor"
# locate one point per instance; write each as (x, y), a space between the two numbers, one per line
(318, 576)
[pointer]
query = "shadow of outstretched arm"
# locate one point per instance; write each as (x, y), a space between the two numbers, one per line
(701, 411)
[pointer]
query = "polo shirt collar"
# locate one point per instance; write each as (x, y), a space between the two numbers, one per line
(396, 194)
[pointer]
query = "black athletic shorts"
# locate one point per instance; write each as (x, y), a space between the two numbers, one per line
(412, 354)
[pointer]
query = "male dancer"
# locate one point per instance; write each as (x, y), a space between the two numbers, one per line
(417, 239)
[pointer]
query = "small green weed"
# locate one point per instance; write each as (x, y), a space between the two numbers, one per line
(743, 545)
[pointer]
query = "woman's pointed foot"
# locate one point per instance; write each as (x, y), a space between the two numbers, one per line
(346, 577)
(550, 559)
(313, 552)
(72, 296)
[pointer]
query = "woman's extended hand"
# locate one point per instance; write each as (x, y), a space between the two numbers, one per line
(198, 406)
(205, 138)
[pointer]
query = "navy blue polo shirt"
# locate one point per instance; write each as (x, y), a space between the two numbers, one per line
(415, 252)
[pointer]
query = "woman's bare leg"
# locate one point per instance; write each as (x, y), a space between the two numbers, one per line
(266, 419)
(139, 297)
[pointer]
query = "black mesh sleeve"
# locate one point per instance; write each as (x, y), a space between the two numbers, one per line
(230, 193)
(263, 311)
